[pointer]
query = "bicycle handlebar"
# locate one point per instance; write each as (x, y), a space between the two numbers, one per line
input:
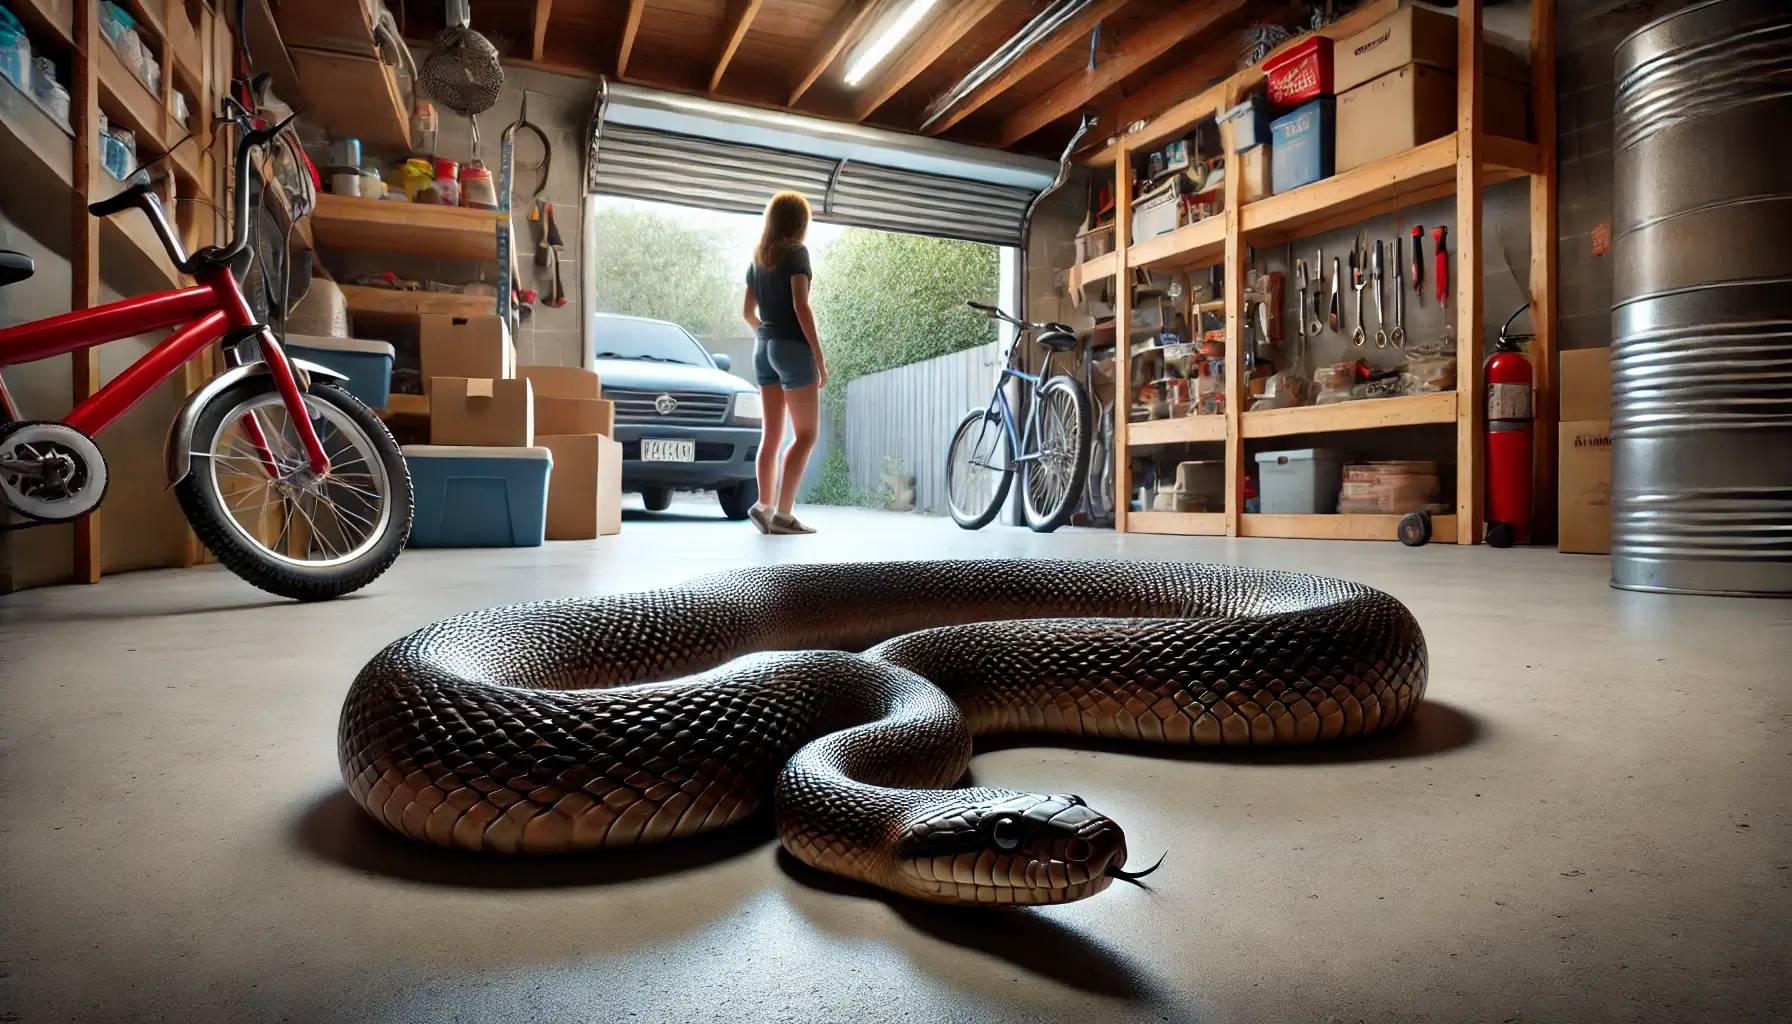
(141, 197)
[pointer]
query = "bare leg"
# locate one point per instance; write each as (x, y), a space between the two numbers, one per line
(804, 420)
(771, 438)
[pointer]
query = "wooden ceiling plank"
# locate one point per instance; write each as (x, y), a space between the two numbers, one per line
(542, 9)
(1031, 61)
(947, 29)
(631, 24)
(845, 27)
(1165, 91)
(1143, 45)
(740, 18)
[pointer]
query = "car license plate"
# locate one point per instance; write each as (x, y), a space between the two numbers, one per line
(662, 450)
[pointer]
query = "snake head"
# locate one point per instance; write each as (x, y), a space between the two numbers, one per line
(990, 847)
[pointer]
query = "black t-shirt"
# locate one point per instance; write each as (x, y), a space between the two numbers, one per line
(771, 290)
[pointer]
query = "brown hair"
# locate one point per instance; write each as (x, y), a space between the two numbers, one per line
(786, 222)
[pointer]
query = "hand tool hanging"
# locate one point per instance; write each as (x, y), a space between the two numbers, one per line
(1443, 267)
(1358, 257)
(1337, 309)
(1418, 263)
(1318, 291)
(524, 298)
(1377, 273)
(1399, 335)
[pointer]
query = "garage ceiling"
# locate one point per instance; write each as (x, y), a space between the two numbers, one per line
(793, 55)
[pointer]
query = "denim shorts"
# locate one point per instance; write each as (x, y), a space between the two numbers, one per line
(790, 364)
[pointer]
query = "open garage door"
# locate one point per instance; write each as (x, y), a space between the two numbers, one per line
(669, 148)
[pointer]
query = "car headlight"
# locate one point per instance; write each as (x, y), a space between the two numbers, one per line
(749, 408)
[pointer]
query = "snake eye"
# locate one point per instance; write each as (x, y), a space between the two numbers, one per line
(1005, 832)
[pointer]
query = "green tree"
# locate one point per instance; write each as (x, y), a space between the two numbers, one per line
(653, 264)
(884, 300)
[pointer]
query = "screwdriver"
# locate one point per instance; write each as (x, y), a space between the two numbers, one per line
(1443, 268)
(1418, 261)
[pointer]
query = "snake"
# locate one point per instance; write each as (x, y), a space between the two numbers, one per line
(846, 697)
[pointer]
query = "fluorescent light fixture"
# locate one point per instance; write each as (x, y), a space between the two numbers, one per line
(886, 41)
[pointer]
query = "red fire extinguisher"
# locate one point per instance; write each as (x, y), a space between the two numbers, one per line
(1509, 440)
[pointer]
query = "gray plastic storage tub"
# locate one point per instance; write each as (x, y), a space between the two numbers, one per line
(1301, 482)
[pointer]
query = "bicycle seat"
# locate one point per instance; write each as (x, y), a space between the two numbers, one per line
(1057, 337)
(15, 267)
(125, 200)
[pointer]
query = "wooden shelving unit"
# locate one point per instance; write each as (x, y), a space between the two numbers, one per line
(59, 167)
(1460, 164)
(378, 225)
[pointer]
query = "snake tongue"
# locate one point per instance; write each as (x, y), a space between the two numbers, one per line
(1133, 876)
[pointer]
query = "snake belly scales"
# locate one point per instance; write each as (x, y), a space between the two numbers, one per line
(846, 696)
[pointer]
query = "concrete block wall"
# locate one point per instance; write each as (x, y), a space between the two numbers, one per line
(561, 105)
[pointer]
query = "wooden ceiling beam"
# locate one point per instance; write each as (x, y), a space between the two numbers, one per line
(1169, 89)
(1144, 44)
(740, 18)
(948, 28)
(631, 24)
(542, 9)
(1030, 61)
(845, 27)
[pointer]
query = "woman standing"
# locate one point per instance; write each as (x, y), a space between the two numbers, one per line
(787, 360)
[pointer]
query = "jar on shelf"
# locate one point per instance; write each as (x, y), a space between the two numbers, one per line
(477, 190)
(423, 128)
(447, 183)
(413, 176)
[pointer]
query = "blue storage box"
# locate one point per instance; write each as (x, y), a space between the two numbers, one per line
(1247, 123)
(366, 364)
(1303, 144)
(477, 497)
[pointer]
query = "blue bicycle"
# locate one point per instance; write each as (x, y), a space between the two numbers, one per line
(1053, 443)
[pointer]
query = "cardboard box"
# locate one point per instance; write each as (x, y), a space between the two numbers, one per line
(1254, 164)
(1586, 387)
(464, 346)
(1411, 106)
(567, 402)
(585, 490)
(483, 412)
(1584, 492)
(1414, 35)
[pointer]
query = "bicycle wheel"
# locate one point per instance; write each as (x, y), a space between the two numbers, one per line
(279, 527)
(979, 469)
(1098, 490)
(1052, 482)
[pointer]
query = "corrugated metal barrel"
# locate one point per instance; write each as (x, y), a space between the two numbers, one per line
(1702, 315)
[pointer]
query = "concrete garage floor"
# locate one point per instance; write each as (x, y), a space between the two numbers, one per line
(1588, 821)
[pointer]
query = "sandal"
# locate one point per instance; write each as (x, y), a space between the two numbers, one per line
(785, 523)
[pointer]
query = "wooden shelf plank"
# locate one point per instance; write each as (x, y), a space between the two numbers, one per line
(1340, 527)
(340, 27)
(1187, 524)
(362, 299)
(1369, 414)
(1417, 169)
(360, 98)
(1186, 430)
(56, 17)
(1200, 244)
(1093, 271)
(421, 229)
(1515, 155)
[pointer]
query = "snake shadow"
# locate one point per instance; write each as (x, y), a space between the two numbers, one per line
(1433, 728)
(337, 830)
(1022, 937)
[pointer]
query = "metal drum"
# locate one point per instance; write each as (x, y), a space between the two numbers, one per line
(1702, 316)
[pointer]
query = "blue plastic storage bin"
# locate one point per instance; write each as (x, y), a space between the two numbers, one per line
(476, 497)
(1249, 123)
(1302, 145)
(366, 364)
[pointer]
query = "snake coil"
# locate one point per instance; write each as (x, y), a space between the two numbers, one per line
(847, 697)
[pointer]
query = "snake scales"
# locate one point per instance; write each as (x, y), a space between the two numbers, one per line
(576, 724)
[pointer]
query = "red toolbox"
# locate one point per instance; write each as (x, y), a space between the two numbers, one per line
(1300, 73)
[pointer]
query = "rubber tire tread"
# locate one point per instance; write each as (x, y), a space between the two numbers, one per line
(1079, 470)
(200, 505)
(738, 500)
(995, 506)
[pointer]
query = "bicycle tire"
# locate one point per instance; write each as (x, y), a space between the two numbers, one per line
(1045, 520)
(209, 515)
(1098, 485)
(980, 419)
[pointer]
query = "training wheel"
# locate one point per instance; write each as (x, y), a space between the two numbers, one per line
(1415, 529)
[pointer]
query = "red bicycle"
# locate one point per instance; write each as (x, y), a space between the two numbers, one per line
(290, 481)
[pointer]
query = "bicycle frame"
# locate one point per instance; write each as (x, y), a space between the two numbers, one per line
(1017, 433)
(203, 314)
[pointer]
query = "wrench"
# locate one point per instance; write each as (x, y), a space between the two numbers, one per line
(1318, 289)
(1399, 335)
(1357, 280)
(1376, 273)
(1337, 310)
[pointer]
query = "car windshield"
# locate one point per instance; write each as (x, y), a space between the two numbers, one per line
(647, 340)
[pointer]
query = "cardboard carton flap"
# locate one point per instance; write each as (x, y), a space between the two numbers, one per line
(562, 381)
(479, 387)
